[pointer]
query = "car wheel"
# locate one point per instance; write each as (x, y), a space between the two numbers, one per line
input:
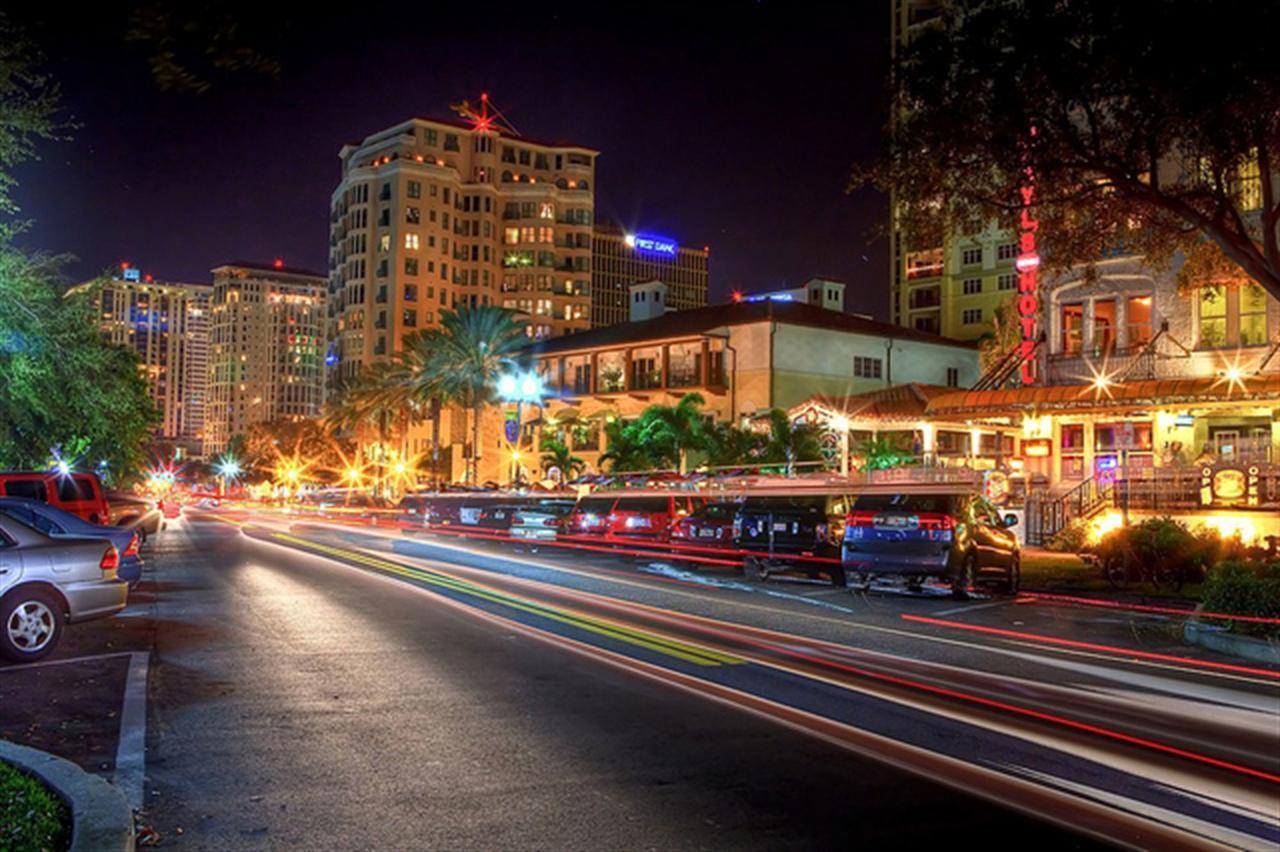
(962, 582)
(755, 569)
(30, 624)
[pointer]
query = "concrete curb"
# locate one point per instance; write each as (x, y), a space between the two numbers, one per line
(1218, 639)
(100, 817)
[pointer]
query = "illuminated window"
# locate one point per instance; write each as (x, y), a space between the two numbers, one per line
(384, 243)
(546, 210)
(510, 236)
(1104, 326)
(1138, 321)
(1213, 317)
(1072, 328)
(411, 242)
(1253, 315)
(412, 216)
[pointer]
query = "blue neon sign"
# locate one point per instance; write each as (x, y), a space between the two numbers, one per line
(651, 244)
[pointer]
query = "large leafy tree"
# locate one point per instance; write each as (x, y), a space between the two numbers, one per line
(61, 385)
(475, 346)
(1148, 125)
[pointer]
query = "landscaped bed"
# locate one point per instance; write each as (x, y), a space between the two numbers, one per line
(32, 818)
(1067, 573)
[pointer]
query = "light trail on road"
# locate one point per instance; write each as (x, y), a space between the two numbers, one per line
(779, 674)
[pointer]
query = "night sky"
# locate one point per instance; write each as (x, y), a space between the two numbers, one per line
(727, 124)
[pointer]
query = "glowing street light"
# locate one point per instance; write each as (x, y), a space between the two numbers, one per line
(841, 425)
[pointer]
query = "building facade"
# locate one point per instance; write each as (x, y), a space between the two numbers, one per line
(620, 258)
(266, 348)
(165, 323)
(744, 358)
(431, 215)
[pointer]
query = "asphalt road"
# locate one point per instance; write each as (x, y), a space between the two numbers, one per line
(296, 702)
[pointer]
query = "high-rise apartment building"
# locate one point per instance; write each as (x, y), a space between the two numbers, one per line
(266, 348)
(163, 322)
(620, 258)
(434, 214)
(954, 289)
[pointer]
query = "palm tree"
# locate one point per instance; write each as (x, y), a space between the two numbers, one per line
(379, 396)
(475, 346)
(557, 455)
(673, 430)
(427, 391)
(626, 449)
(729, 445)
(790, 443)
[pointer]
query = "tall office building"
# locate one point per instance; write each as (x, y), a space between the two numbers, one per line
(266, 348)
(196, 365)
(163, 323)
(435, 214)
(620, 258)
(954, 289)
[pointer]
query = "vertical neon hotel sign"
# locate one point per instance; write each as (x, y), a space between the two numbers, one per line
(1028, 265)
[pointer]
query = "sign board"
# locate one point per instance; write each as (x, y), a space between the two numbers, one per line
(653, 245)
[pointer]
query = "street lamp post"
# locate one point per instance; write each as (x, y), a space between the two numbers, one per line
(519, 388)
(841, 424)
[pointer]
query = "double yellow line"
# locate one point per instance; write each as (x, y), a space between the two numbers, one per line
(602, 627)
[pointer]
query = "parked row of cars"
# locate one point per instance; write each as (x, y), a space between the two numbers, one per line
(913, 533)
(67, 554)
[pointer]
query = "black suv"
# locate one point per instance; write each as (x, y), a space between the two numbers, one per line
(781, 527)
(951, 534)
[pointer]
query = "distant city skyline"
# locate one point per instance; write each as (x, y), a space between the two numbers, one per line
(733, 127)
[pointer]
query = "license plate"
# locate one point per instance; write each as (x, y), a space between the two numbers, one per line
(469, 516)
(780, 527)
(706, 532)
(896, 522)
(637, 522)
(499, 515)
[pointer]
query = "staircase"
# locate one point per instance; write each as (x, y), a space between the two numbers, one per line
(1047, 515)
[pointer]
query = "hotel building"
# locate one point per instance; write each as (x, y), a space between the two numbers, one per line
(266, 348)
(431, 215)
(166, 324)
(621, 258)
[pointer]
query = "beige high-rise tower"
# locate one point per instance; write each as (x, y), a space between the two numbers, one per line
(436, 214)
(266, 348)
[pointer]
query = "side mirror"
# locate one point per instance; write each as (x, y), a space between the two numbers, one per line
(1010, 521)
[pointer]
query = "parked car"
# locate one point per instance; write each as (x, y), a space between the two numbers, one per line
(541, 517)
(644, 516)
(56, 523)
(778, 527)
(711, 525)
(78, 493)
(139, 513)
(47, 583)
(952, 534)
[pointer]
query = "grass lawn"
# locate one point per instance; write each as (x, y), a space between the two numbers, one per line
(1066, 573)
(32, 819)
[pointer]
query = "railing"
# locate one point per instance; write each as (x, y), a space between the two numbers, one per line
(1047, 516)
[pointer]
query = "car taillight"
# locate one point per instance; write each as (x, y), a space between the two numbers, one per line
(132, 549)
(937, 522)
(861, 519)
(110, 560)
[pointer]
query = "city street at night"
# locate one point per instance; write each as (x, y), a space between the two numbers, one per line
(315, 678)
(728, 425)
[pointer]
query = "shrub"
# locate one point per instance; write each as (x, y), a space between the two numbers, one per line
(1242, 588)
(1073, 538)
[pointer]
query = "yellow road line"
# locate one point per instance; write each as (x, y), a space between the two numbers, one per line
(671, 647)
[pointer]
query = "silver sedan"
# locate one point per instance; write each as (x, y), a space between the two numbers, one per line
(47, 583)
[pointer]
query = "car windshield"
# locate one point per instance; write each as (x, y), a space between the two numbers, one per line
(595, 505)
(787, 502)
(937, 503)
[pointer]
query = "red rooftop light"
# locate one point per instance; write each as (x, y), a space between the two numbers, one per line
(279, 263)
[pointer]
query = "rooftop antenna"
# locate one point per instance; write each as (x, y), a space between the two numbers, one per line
(485, 116)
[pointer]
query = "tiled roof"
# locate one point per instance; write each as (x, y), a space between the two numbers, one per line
(702, 320)
(1142, 394)
(898, 402)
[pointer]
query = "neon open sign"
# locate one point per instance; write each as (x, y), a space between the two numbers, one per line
(652, 245)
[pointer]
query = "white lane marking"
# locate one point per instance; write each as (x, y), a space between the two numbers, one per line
(970, 608)
(131, 753)
(45, 663)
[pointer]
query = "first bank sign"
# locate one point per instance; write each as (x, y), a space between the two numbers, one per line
(652, 245)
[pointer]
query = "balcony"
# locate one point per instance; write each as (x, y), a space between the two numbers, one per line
(1131, 365)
